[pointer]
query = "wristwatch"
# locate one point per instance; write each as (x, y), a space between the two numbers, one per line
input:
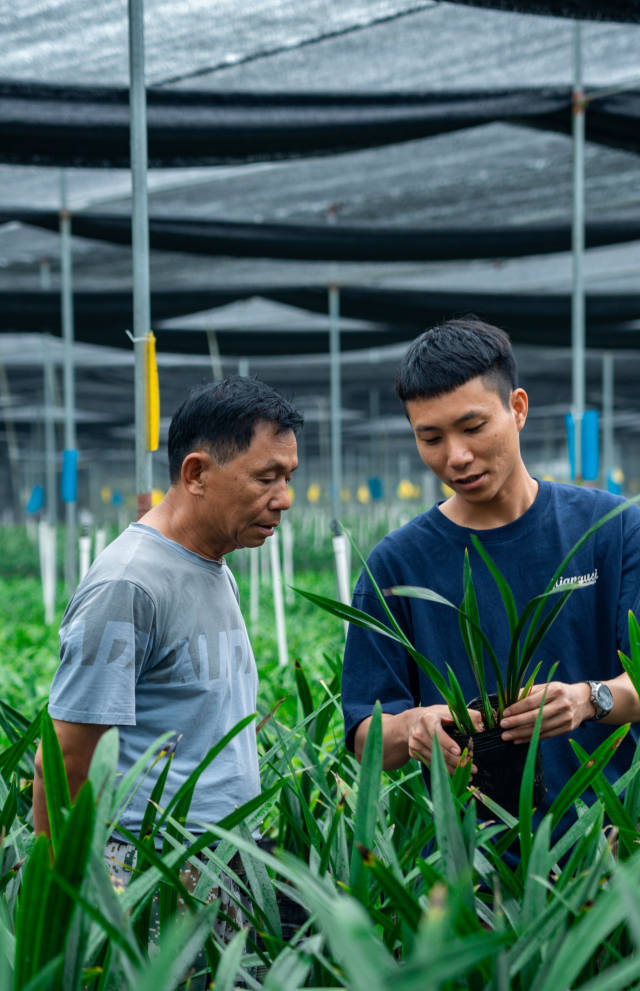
(601, 698)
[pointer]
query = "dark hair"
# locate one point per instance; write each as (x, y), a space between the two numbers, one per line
(222, 416)
(447, 356)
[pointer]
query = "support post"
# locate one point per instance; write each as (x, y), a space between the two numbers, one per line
(336, 400)
(51, 480)
(70, 454)
(139, 245)
(578, 330)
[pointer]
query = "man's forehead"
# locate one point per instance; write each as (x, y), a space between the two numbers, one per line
(270, 446)
(460, 404)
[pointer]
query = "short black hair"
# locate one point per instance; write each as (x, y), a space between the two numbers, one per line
(222, 416)
(445, 357)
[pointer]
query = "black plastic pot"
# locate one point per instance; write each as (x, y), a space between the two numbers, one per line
(500, 765)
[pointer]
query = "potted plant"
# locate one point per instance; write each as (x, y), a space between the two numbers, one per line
(499, 763)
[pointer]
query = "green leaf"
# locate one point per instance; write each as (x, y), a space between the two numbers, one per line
(458, 706)
(56, 784)
(304, 692)
(332, 837)
(586, 774)
(181, 801)
(262, 889)
(395, 889)
(46, 977)
(10, 758)
(449, 836)
(70, 865)
(230, 959)
(470, 630)
(581, 942)
(103, 776)
(180, 944)
(525, 804)
(352, 615)
(367, 622)
(368, 796)
(132, 780)
(31, 916)
(538, 602)
(614, 807)
(534, 638)
(632, 664)
(416, 592)
(503, 587)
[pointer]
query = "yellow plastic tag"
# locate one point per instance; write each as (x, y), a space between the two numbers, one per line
(152, 392)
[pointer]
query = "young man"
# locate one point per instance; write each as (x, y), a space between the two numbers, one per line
(153, 638)
(459, 389)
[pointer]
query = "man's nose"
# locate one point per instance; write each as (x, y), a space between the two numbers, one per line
(458, 453)
(281, 498)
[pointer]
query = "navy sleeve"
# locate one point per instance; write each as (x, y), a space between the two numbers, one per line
(375, 666)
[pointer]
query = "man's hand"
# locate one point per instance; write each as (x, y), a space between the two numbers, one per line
(410, 734)
(427, 725)
(565, 708)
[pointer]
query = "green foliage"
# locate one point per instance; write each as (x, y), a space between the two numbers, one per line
(364, 879)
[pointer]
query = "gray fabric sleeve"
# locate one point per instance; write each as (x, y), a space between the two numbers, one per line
(105, 640)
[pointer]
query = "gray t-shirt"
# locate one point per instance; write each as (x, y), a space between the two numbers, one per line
(154, 640)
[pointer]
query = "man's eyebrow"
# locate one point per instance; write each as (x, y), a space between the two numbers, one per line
(275, 465)
(471, 415)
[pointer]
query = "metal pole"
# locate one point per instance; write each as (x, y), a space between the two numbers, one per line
(70, 452)
(139, 245)
(243, 367)
(336, 401)
(49, 411)
(607, 416)
(50, 458)
(577, 238)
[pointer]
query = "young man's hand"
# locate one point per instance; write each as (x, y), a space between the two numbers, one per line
(409, 735)
(565, 708)
(428, 724)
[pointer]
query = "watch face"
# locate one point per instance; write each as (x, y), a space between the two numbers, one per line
(604, 699)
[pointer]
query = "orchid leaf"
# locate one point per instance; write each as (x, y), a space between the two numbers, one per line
(503, 587)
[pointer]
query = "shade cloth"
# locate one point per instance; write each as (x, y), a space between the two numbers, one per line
(89, 126)
(627, 11)
(542, 319)
(338, 243)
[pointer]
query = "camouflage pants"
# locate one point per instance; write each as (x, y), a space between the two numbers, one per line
(120, 859)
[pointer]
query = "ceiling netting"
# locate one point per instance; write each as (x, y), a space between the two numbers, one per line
(442, 122)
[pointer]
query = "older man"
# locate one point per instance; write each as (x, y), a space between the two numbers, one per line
(153, 638)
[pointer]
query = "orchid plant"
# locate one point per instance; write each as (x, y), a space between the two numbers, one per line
(516, 677)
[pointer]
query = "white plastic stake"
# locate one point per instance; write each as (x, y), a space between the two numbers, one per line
(254, 588)
(84, 545)
(101, 540)
(342, 570)
(264, 563)
(47, 546)
(287, 559)
(278, 604)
